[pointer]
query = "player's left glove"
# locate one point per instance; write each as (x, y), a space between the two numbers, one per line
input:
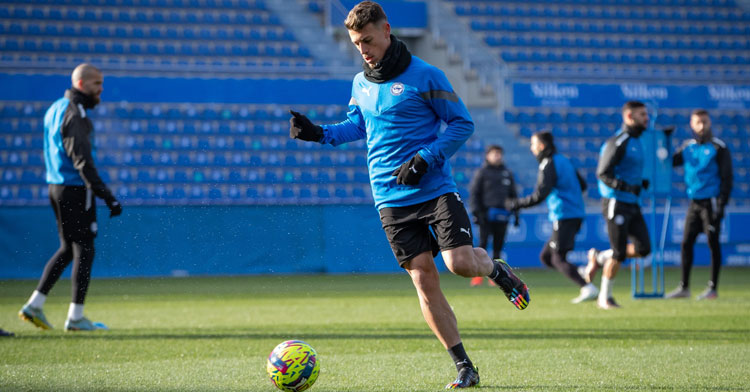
(300, 127)
(645, 183)
(115, 208)
(410, 172)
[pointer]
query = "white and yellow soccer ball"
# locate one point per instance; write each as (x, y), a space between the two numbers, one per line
(293, 366)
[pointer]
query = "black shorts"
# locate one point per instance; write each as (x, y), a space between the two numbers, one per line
(625, 221)
(408, 228)
(563, 238)
(75, 211)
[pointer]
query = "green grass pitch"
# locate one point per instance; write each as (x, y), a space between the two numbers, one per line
(214, 334)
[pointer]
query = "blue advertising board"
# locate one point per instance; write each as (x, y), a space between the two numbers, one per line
(17, 87)
(551, 94)
(332, 239)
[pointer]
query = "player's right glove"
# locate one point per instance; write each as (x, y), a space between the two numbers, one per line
(625, 187)
(300, 127)
(115, 208)
(411, 171)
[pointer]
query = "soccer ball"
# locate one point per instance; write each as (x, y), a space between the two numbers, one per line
(293, 366)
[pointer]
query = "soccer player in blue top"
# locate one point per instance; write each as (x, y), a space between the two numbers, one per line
(398, 103)
(708, 177)
(73, 182)
(560, 184)
(620, 179)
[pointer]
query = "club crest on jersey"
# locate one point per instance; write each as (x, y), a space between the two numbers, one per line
(397, 88)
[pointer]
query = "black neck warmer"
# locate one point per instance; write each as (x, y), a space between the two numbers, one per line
(395, 61)
(634, 131)
(77, 96)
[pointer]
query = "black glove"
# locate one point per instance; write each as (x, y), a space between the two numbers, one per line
(511, 205)
(300, 127)
(115, 208)
(517, 219)
(634, 189)
(668, 130)
(645, 183)
(409, 173)
(625, 187)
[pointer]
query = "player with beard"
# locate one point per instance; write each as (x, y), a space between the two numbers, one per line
(620, 178)
(73, 182)
(708, 176)
(398, 104)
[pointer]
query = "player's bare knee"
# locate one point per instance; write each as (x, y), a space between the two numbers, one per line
(425, 281)
(463, 264)
(480, 253)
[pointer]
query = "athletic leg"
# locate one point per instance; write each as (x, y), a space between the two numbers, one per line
(55, 267)
(617, 217)
(83, 254)
(563, 241)
(435, 308)
(712, 229)
(564, 267)
(545, 256)
(498, 238)
(715, 246)
(690, 234)
(451, 225)
(440, 317)
(414, 246)
(484, 235)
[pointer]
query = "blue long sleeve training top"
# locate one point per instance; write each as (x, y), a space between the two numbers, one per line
(620, 160)
(402, 117)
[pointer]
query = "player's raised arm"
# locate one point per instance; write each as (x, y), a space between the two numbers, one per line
(349, 130)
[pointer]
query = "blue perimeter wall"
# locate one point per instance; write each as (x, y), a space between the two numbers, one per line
(192, 90)
(225, 240)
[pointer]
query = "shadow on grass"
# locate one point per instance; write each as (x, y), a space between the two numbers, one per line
(707, 335)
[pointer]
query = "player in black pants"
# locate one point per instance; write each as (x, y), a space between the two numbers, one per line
(491, 185)
(562, 187)
(620, 179)
(73, 182)
(708, 176)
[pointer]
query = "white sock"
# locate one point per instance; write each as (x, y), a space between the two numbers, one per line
(36, 300)
(606, 290)
(603, 256)
(75, 311)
